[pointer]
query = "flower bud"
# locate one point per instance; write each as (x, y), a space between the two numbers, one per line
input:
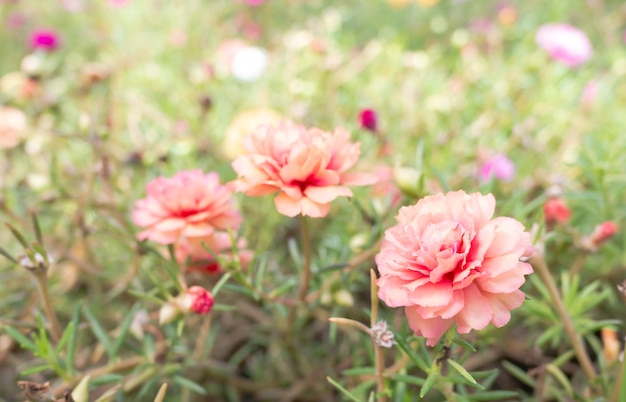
(556, 211)
(197, 300)
(611, 345)
(368, 120)
(168, 313)
(600, 235)
(408, 180)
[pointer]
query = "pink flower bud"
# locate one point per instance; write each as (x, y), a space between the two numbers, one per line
(197, 299)
(555, 210)
(368, 119)
(600, 235)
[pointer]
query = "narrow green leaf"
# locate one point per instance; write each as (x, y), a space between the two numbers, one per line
(464, 344)
(220, 283)
(359, 371)
(186, 383)
(561, 378)
(461, 370)
(124, 328)
(404, 345)
(21, 339)
(71, 343)
(408, 379)
(37, 228)
(492, 396)
(64, 337)
(428, 384)
(7, 256)
(145, 296)
(518, 373)
(17, 235)
(98, 331)
(341, 389)
(35, 369)
(223, 307)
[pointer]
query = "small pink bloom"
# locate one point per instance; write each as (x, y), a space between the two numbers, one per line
(194, 253)
(590, 93)
(447, 261)
(190, 204)
(386, 185)
(118, 3)
(44, 39)
(12, 127)
(499, 167)
(600, 235)
(253, 3)
(555, 210)
(564, 43)
(307, 167)
(368, 119)
(197, 299)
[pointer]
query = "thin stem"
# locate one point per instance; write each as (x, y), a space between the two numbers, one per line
(306, 256)
(379, 357)
(581, 354)
(445, 387)
(41, 280)
(577, 266)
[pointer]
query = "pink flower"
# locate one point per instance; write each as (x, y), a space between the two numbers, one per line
(555, 210)
(498, 166)
(368, 119)
(447, 262)
(44, 39)
(12, 127)
(307, 167)
(386, 185)
(190, 204)
(192, 251)
(253, 3)
(590, 93)
(564, 43)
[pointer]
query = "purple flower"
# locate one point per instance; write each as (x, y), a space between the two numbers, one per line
(564, 43)
(44, 39)
(498, 166)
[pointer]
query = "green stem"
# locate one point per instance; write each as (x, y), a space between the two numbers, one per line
(539, 263)
(306, 256)
(619, 391)
(379, 357)
(41, 280)
(444, 386)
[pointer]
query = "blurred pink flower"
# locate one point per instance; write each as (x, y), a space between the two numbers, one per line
(600, 235)
(12, 127)
(44, 39)
(590, 93)
(118, 3)
(193, 252)
(555, 210)
(190, 204)
(499, 167)
(253, 2)
(307, 167)
(447, 261)
(565, 44)
(386, 185)
(368, 119)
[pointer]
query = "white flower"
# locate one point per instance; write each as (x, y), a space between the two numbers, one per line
(249, 63)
